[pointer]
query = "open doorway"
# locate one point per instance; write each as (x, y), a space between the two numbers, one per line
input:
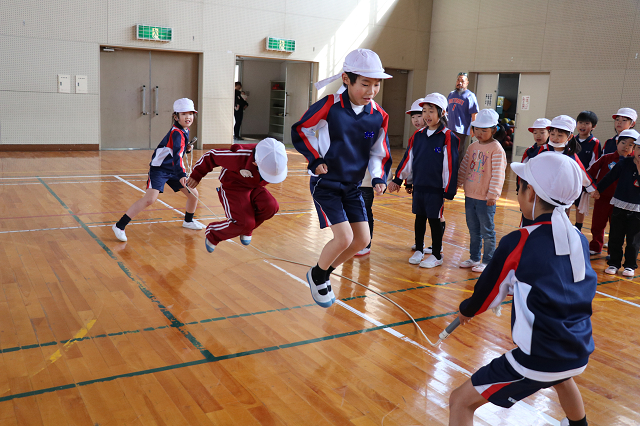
(278, 93)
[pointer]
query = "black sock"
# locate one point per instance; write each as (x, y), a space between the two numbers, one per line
(420, 226)
(579, 226)
(188, 217)
(124, 221)
(436, 237)
(444, 226)
(329, 271)
(318, 275)
(582, 422)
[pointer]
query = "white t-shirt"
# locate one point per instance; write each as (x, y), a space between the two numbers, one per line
(357, 108)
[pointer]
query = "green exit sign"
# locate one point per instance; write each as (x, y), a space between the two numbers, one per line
(150, 32)
(281, 44)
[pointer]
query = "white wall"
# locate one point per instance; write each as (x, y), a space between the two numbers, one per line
(256, 76)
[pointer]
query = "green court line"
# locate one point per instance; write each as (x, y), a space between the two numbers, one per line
(215, 358)
(172, 319)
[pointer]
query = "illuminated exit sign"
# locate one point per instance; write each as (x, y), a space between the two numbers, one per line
(281, 44)
(149, 32)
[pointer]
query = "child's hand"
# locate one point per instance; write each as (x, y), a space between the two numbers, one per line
(246, 173)
(409, 189)
(393, 187)
(464, 320)
(595, 194)
(191, 182)
(491, 202)
(379, 188)
(321, 169)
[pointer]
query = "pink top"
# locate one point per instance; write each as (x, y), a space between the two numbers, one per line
(482, 171)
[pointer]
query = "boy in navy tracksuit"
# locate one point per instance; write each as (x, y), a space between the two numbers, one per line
(167, 167)
(552, 296)
(590, 150)
(351, 136)
(431, 164)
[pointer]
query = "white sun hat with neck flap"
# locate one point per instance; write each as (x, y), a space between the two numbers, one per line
(271, 159)
(362, 62)
(557, 179)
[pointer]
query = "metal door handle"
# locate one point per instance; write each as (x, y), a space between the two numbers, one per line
(157, 89)
(144, 100)
(286, 104)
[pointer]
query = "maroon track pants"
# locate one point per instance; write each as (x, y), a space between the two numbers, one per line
(602, 209)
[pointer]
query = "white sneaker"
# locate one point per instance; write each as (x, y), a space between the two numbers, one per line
(322, 300)
(611, 270)
(427, 250)
(245, 239)
(194, 224)
(479, 268)
(120, 234)
(606, 245)
(593, 253)
(469, 263)
(364, 251)
(430, 262)
(416, 258)
(628, 272)
(564, 422)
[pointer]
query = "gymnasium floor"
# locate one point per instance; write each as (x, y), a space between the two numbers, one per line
(156, 331)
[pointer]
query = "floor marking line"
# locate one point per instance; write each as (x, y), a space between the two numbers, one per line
(138, 189)
(619, 299)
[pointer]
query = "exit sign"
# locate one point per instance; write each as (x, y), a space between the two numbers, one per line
(281, 44)
(149, 32)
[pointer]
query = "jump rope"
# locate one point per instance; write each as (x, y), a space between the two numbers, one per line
(443, 335)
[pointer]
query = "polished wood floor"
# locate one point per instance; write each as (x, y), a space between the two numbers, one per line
(156, 331)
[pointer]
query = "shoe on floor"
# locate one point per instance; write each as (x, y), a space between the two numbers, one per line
(628, 272)
(431, 262)
(120, 234)
(322, 300)
(427, 250)
(564, 422)
(364, 251)
(416, 258)
(209, 245)
(194, 224)
(245, 239)
(479, 268)
(469, 263)
(611, 270)
(607, 258)
(594, 253)
(606, 245)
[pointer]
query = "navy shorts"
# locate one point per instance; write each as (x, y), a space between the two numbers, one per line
(501, 385)
(157, 179)
(427, 204)
(337, 202)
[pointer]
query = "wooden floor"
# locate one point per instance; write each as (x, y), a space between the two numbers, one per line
(156, 331)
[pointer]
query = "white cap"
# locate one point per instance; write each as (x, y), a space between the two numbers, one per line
(630, 133)
(486, 118)
(362, 62)
(540, 123)
(435, 99)
(271, 159)
(626, 112)
(415, 106)
(557, 179)
(563, 122)
(184, 105)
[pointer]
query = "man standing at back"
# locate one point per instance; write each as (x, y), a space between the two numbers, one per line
(462, 109)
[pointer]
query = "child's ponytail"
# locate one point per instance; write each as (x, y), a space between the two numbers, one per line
(442, 115)
(572, 147)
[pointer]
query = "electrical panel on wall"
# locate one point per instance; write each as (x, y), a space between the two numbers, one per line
(64, 83)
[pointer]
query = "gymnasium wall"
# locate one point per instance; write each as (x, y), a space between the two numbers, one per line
(39, 40)
(589, 47)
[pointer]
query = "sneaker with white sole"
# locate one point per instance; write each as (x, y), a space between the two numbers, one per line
(427, 250)
(209, 245)
(564, 422)
(325, 300)
(364, 251)
(628, 272)
(605, 245)
(611, 270)
(245, 239)
(120, 234)
(469, 263)
(416, 258)
(194, 224)
(594, 253)
(431, 262)
(479, 268)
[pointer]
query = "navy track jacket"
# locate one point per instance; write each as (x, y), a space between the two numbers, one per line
(168, 155)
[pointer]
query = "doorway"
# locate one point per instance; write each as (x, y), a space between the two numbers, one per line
(137, 91)
(278, 91)
(394, 102)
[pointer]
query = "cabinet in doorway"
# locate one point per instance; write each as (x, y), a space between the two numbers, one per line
(277, 109)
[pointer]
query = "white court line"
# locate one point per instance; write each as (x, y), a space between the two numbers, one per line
(438, 357)
(88, 226)
(138, 189)
(617, 298)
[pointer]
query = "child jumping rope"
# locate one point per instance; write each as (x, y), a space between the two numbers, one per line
(167, 167)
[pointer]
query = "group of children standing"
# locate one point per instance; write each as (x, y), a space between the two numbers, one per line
(344, 138)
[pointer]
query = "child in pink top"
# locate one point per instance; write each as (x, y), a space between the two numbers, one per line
(482, 174)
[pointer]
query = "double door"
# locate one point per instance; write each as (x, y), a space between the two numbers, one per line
(137, 91)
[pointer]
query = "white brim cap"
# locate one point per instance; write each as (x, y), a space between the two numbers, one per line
(435, 99)
(415, 106)
(630, 133)
(540, 123)
(362, 62)
(563, 122)
(184, 105)
(486, 118)
(626, 112)
(271, 158)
